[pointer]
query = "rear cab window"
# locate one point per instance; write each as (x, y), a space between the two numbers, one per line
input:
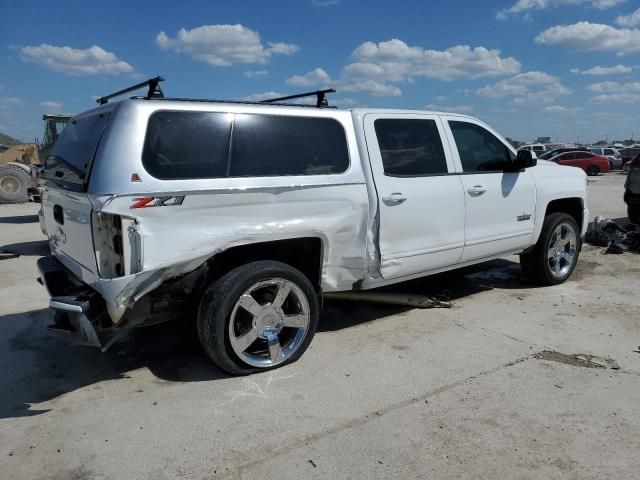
(410, 147)
(70, 159)
(189, 145)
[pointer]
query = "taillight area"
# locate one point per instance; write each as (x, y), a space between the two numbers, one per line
(117, 245)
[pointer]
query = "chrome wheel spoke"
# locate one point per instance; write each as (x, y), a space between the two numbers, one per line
(284, 289)
(250, 305)
(275, 350)
(296, 321)
(246, 340)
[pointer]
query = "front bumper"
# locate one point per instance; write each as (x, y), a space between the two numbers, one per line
(75, 307)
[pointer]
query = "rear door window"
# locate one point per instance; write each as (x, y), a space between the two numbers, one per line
(270, 145)
(181, 145)
(71, 156)
(410, 147)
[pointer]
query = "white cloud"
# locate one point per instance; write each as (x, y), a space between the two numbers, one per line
(394, 60)
(593, 37)
(598, 70)
(616, 98)
(344, 102)
(449, 108)
(51, 106)
(325, 3)
(7, 103)
(372, 87)
(527, 88)
(555, 109)
(527, 5)
(281, 48)
(73, 61)
(615, 87)
(223, 45)
(316, 76)
(631, 20)
(560, 109)
(256, 73)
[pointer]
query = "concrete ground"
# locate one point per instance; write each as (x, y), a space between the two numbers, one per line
(383, 392)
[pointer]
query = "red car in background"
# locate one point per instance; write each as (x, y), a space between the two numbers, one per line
(589, 162)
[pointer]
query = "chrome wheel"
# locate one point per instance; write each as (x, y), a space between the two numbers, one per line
(562, 250)
(269, 322)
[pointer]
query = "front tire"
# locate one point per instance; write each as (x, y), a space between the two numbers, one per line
(593, 171)
(259, 316)
(555, 256)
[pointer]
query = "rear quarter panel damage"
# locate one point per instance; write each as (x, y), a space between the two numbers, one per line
(178, 239)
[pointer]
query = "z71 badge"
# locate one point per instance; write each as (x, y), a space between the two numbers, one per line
(148, 202)
(524, 217)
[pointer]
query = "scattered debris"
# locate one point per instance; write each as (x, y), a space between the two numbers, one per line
(418, 301)
(637, 351)
(577, 360)
(312, 463)
(605, 232)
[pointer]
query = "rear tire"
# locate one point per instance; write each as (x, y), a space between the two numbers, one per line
(555, 256)
(259, 316)
(14, 182)
(593, 170)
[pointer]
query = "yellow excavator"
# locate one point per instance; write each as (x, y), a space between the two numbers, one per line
(16, 162)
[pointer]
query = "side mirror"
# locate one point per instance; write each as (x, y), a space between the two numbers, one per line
(525, 159)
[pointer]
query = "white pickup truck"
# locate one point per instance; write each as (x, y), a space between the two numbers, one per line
(245, 213)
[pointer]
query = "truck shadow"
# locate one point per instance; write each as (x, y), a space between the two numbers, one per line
(40, 368)
(38, 248)
(448, 286)
(19, 219)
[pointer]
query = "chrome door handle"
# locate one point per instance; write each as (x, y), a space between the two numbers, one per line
(395, 198)
(476, 190)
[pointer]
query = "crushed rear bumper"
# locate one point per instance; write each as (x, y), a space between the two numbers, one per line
(75, 307)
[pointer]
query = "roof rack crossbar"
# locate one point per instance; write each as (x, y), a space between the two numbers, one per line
(154, 90)
(320, 94)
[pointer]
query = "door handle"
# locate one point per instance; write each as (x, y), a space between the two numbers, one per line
(476, 190)
(395, 198)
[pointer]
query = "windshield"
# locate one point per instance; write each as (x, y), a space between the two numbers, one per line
(71, 155)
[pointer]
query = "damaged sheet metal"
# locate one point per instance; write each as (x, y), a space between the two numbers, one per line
(175, 241)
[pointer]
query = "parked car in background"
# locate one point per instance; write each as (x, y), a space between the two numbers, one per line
(557, 151)
(615, 160)
(589, 162)
(534, 147)
(632, 190)
(628, 153)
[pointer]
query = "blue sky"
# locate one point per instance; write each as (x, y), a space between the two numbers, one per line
(567, 69)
